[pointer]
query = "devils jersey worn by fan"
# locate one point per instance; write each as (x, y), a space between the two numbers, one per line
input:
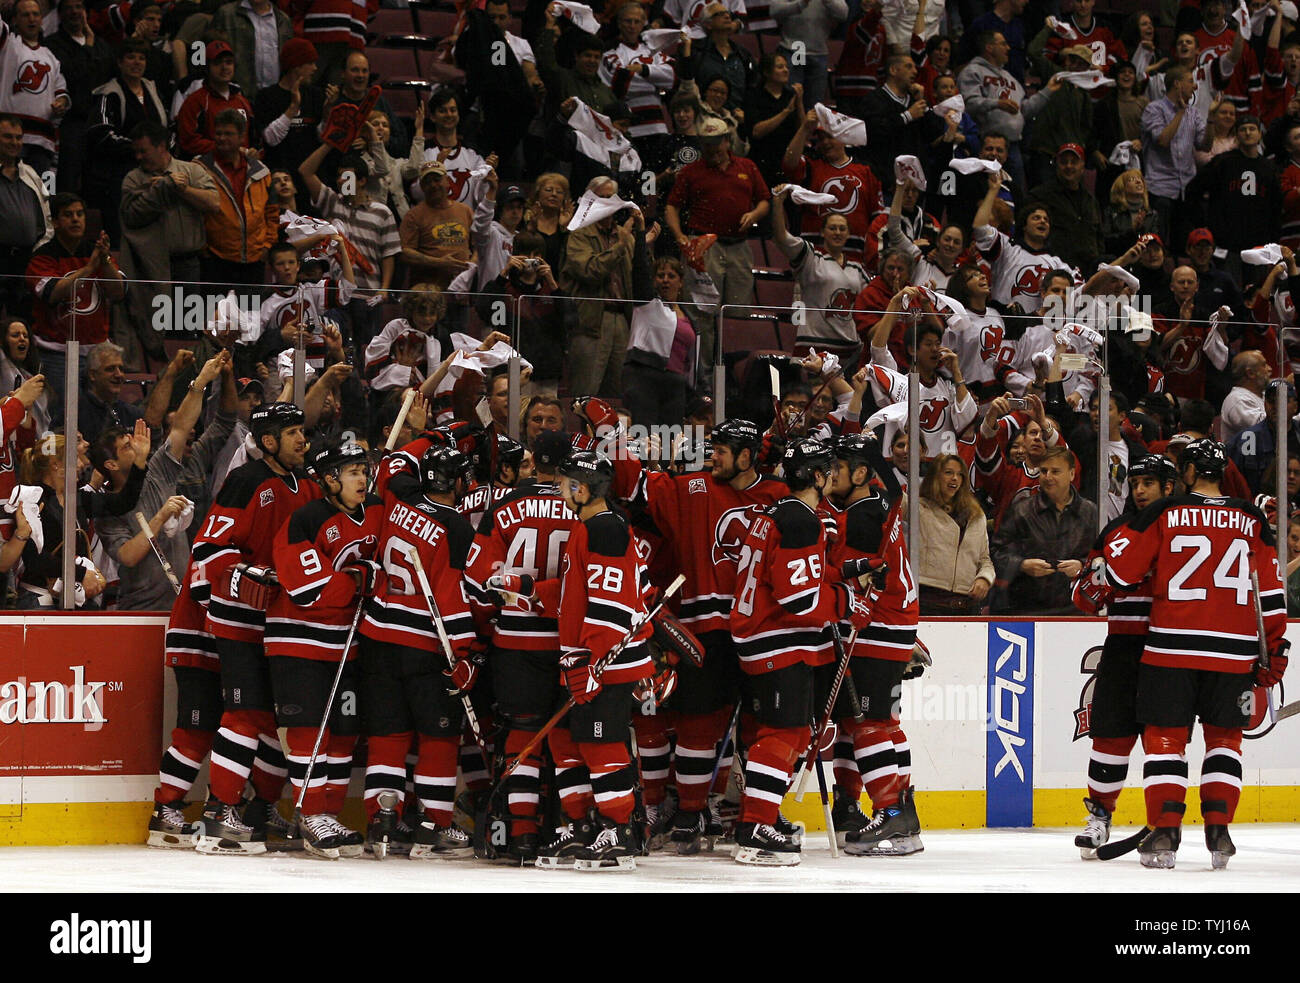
(1246, 79)
(189, 644)
(942, 415)
(1016, 270)
(1199, 552)
(441, 537)
(827, 291)
(601, 592)
(1128, 612)
(306, 304)
(459, 161)
(30, 82)
(310, 616)
(527, 535)
(781, 610)
(704, 522)
(1105, 47)
(251, 507)
(871, 527)
(978, 340)
(11, 415)
(857, 197)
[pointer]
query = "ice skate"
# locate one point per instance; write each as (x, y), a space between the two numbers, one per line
(610, 849)
(1220, 845)
(324, 836)
(792, 830)
(561, 850)
(764, 845)
(224, 832)
(521, 851)
(688, 830)
(168, 829)
(907, 802)
(658, 818)
(386, 832)
(885, 836)
(1158, 848)
(1096, 832)
(434, 842)
(846, 815)
(281, 835)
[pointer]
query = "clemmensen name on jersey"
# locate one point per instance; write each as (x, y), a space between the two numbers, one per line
(532, 508)
(1212, 518)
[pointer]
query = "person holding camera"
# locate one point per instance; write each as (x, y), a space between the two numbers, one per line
(1043, 539)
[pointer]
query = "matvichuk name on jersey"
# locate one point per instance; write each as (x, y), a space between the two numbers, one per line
(53, 702)
(1189, 516)
(102, 937)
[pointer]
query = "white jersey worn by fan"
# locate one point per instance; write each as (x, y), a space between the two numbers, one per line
(642, 98)
(827, 292)
(30, 82)
(459, 163)
(942, 414)
(1038, 344)
(978, 340)
(1017, 271)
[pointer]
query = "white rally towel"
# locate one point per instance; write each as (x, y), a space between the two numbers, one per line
(654, 326)
(597, 136)
(629, 160)
(284, 368)
(1289, 11)
(1090, 79)
(475, 182)
(1121, 274)
(1122, 155)
(591, 209)
(582, 16)
(850, 131)
(971, 165)
(28, 498)
(952, 104)
(178, 522)
(908, 168)
(662, 39)
(469, 359)
(939, 301)
(228, 316)
(1267, 255)
(1215, 344)
(802, 196)
(1062, 30)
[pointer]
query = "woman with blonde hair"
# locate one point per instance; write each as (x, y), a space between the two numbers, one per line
(547, 212)
(1129, 213)
(955, 570)
(1221, 125)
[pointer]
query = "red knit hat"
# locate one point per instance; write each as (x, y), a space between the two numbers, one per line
(295, 53)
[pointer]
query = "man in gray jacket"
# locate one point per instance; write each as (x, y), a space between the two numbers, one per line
(995, 98)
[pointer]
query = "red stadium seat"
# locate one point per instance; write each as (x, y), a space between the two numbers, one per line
(390, 22)
(391, 64)
(436, 24)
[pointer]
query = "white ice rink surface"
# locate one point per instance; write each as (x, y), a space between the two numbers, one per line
(1037, 860)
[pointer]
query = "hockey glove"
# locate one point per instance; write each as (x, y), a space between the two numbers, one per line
(873, 568)
(251, 585)
(852, 607)
(462, 675)
(1091, 591)
(513, 589)
(1277, 661)
(596, 412)
(369, 575)
(652, 692)
(576, 666)
(1268, 505)
(771, 452)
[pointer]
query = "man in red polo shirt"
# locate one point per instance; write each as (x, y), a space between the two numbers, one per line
(725, 196)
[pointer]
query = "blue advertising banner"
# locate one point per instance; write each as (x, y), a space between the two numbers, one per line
(1010, 725)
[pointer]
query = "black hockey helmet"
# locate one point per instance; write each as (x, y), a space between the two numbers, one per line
(805, 457)
(509, 452)
(737, 434)
(273, 419)
(857, 449)
(1205, 454)
(441, 467)
(332, 457)
(592, 468)
(1154, 466)
(551, 448)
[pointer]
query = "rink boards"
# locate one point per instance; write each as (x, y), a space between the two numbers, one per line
(997, 729)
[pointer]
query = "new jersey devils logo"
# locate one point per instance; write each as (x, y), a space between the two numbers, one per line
(456, 182)
(841, 300)
(990, 342)
(1184, 355)
(33, 77)
(730, 531)
(932, 411)
(845, 188)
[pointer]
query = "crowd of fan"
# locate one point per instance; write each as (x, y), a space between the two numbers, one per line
(248, 149)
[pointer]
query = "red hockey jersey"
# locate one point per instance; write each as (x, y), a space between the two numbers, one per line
(1128, 612)
(441, 537)
(11, 415)
(251, 507)
(1198, 552)
(601, 592)
(188, 642)
(783, 599)
(857, 197)
(703, 522)
(310, 617)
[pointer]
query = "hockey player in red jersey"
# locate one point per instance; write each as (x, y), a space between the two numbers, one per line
(1112, 721)
(601, 603)
(325, 561)
(407, 687)
(871, 530)
(1203, 651)
(522, 544)
(702, 519)
(784, 601)
(233, 578)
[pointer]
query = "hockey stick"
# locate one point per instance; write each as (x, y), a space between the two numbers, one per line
(329, 705)
(470, 716)
(1109, 851)
(393, 433)
(811, 756)
(596, 670)
(157, 551)
(1290, 710)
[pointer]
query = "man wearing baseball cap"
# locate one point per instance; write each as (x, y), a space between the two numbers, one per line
(198, 113)
(435, 233)
(1076, 219)
(1244, 207)
(1217, 288)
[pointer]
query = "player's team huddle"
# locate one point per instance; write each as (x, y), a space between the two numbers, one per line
(584, 645)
